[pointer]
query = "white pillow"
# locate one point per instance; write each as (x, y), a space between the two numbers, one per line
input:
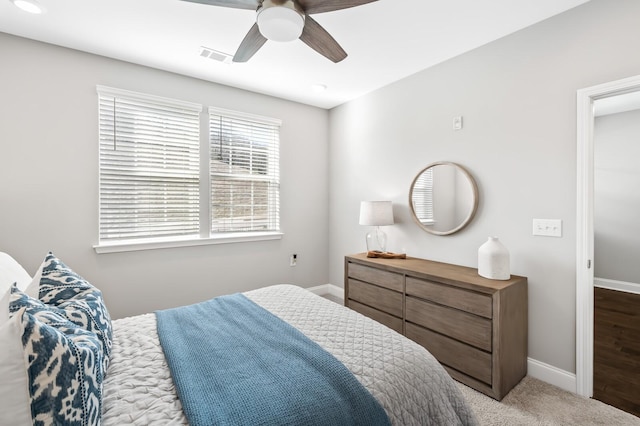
(4, 307)
(12, 272)
(14, 386)
(33, 288)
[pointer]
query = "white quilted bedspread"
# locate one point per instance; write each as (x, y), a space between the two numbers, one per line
(407, 381)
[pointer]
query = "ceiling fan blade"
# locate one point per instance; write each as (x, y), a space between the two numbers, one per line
(236, 4)
(252, 42)
(319, 6)
(321, 41)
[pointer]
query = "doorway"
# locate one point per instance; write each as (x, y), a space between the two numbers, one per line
(586, 100)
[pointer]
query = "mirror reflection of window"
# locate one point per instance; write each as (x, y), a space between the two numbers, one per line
(423, 197)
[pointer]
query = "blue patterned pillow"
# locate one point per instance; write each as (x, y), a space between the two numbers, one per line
(65, 367)
(82, 303)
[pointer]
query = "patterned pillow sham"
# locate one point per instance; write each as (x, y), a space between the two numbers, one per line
(82, 303)
(64, 365)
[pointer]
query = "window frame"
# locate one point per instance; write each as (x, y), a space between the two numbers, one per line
(205, 236)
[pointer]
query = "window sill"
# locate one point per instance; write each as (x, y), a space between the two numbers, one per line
(152, 244)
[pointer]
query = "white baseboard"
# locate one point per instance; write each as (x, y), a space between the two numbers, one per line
(331, 289)
(536, 369)
(617, 285)
(552, 375)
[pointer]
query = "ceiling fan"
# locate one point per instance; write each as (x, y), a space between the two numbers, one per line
(287, 20)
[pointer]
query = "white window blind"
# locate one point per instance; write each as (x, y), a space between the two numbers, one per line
(423, 196)
(149, 166)
(244, 168)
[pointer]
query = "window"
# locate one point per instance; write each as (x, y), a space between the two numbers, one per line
(156, 185)
(244, 172)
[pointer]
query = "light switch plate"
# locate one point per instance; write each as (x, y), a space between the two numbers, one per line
(547, 227)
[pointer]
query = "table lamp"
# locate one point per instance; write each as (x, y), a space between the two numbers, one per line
(376, 213)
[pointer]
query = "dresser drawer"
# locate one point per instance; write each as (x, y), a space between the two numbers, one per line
(469, 301)
(377, 297)
(390, 321)
(391, 280)
(454, 354)
(459, 325)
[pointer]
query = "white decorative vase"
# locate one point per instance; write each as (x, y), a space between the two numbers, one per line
(493, 260)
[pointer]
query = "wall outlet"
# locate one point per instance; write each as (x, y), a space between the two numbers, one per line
(457, 123)
(547, 227)
(293, 260)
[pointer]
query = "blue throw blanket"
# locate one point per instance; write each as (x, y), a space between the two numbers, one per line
(235, 363)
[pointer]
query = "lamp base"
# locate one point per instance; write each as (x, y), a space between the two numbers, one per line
(377, 240)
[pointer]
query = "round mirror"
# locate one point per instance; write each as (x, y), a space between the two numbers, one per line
(443, 198)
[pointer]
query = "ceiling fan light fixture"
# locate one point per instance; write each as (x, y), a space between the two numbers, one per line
(30, 6)
(280, 22)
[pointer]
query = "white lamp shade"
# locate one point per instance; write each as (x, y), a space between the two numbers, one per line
(280, 23)
(376, 213)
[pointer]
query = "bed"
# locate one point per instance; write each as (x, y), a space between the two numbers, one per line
(135, 380)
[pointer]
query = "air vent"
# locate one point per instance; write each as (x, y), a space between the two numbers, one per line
(216, 55)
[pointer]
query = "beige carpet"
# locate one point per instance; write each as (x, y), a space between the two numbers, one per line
(534, 402)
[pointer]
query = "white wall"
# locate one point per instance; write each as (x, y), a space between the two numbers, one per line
(617, 196)
(49, 181)
(518, 99)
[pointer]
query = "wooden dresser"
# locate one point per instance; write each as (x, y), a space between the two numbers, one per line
(475, 327)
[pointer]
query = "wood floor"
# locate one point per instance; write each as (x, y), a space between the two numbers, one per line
(616, 369)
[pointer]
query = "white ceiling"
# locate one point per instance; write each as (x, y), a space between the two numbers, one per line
(386, 40)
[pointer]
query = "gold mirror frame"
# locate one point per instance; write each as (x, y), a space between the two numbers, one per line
(473, 203)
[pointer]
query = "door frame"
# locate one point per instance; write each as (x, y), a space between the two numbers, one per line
(584, 223)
